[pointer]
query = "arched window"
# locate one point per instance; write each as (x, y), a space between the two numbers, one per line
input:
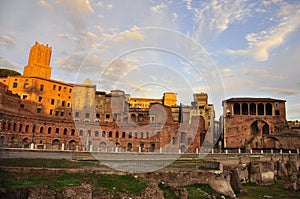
(65, 131)
(182, 137)
(26, 128)
(123, 135)
(15, 127)
(260, 109)
(49, 130)
(245, 109)
(109, 134)
(136, 135)
(142, 135)
(96, 133)
(117, 134)
(73, 132)
(20, 127)
(236, 109)
(41, 129)
(57, 130)
(269, 108)
(81, 132)
(103, 134)
(89, 132)
(130, 135)
(252, 109)
(129, 147)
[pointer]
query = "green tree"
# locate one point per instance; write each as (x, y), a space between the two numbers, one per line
(7, 72)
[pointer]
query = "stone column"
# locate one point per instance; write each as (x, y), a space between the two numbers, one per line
(62, 146)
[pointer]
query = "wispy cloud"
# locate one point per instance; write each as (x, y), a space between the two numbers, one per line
(260, 44)
(7, 41)
(262, 73)
(280, 91)
(6, 63)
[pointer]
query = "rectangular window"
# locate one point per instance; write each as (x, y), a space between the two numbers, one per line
(87, 115)
(59, 88)
(70, 90)
(76, 114)
(15, 85)
(62, 113)
(41, 87)
(26, 85)
(58, 102)
(63, 103)
(56, 113)
(54, 87)
(52, 101)
(39, 110)
(51, 111)
(40, 99)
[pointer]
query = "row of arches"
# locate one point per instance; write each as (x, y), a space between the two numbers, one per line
(26, 128)
(115, 134)
(254, 109)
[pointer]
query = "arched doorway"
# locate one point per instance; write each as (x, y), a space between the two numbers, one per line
(72, 145)
(129, 147)
(142, 146)
(102, 146)
(26, 143)
(56, 144)
(152, 147)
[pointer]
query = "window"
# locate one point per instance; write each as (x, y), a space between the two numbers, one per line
(62, 113)
(39, 110)
(73, 132)
(130, 135)
(117, 134)
(24, 96)
(49, 130)
(70, 90)
(76, 114)
(107, 116)
(51, 112)
(89, 132)
(96, 133)
(54, 87)
(57, 130)
(236, 109)
(40, 99)
(26, 85)
(58, 102)
(81, 132)
(65, 131)
(123, 135)
(69, 105)
(87, 115)
(103, 133)
(56, 113)
(41, 87)
(63, 103)
(65, 89)
(110, 134)
(277, 112)
(97, 115)
(261, 109)
(22, 106)
(15, 85)
(59, 88)
(52, 101)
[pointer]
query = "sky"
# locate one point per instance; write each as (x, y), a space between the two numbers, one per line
(230, 48)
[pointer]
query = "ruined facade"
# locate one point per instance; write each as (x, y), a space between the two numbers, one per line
(257, 123)
(41, 113)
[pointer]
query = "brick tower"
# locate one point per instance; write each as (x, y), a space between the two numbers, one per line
(39, 62)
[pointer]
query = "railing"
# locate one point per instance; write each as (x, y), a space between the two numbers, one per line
(117, 149)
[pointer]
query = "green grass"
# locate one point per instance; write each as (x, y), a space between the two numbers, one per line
(122, 183)
(201, 191)
(108, 183)
(168, 193)
(276, 191)
(46, 163)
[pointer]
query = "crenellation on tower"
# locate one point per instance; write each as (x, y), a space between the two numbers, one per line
(39, 62)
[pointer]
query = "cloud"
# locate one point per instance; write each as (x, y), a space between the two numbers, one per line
(4, 62)
(44, 3)
(132, 34)
(7, 41)
(158, 8)
(280, 91)
(260, 44)
(76, 6)
(216, 16)
(73, 62)
(262, 73)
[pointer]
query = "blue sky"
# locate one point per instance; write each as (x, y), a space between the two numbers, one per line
(225, 48)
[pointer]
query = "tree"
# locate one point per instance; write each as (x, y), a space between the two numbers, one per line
(7, 72)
